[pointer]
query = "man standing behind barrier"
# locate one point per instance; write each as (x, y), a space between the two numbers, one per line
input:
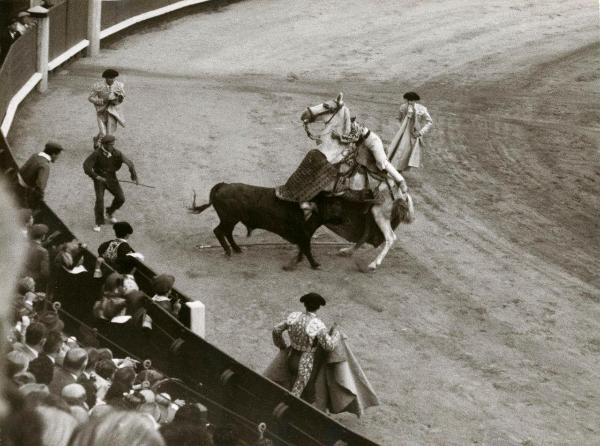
(102, 167)
(33, 176)
(107, 97)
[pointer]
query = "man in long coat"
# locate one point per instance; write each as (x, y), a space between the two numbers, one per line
(415, 122)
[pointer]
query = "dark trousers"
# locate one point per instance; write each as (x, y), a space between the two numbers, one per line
(113, 186)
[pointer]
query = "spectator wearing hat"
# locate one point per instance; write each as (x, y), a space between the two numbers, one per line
(35, 337)
(118, 252)
(24, 22)
(102, 167)
(73, 366)
(162, 285)
(33, 176)
(306, 332)
(107, 97)
(415, 122)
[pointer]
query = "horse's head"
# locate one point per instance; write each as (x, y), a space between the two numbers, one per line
(324, 111)
(334, 116)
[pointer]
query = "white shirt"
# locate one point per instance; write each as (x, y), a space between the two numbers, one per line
(45, 155)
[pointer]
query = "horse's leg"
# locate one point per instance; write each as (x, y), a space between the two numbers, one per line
(220, 233)
(381, 214)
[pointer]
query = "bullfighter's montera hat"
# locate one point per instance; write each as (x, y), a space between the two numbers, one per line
(313, 298)
(110, 73)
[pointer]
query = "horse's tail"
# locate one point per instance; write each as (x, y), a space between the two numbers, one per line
(199, 209)
(409, 216)
(403, 210)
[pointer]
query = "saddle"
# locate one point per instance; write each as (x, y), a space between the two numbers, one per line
(315, 174)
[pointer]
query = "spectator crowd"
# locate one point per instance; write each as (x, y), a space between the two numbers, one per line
(66, 391)
(19, 24)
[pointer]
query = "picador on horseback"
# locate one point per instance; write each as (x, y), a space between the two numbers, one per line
(351, 163)
(347, 184)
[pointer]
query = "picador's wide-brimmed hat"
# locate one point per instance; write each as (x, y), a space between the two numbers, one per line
(110, 73)
(411, 96)
(313, 298)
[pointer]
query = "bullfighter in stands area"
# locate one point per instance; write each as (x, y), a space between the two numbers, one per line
(33, 176)
(107, 97)
(102, 167)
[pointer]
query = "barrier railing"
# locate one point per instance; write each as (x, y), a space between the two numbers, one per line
(231, 391)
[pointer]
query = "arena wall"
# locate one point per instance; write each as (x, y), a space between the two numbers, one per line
(231, 391)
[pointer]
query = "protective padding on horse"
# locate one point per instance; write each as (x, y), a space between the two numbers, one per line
(313, 175)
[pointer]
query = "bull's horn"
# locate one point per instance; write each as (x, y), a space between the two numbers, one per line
(340, 98)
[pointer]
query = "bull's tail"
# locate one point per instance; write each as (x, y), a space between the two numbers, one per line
(199, 209)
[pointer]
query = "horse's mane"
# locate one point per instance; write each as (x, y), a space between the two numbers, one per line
(346, 120)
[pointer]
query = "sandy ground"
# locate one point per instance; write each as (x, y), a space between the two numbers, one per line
(482, 326)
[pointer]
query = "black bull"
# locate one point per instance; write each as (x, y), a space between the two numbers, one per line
(258, 207)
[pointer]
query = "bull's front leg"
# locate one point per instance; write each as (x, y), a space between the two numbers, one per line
(350, 250)
(305, 249)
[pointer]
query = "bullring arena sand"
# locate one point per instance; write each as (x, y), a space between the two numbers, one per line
(483, 324)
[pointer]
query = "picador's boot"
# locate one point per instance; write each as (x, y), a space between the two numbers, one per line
(307, 207)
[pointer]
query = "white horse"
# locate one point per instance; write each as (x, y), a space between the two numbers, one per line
(387, 185)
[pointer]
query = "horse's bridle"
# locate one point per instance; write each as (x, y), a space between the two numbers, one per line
(313, 116)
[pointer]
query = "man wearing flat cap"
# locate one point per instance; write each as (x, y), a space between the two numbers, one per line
(306, 332)
(117, 252)
(33, 176)
(102, 167)
(107, 97)
(37, 261)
